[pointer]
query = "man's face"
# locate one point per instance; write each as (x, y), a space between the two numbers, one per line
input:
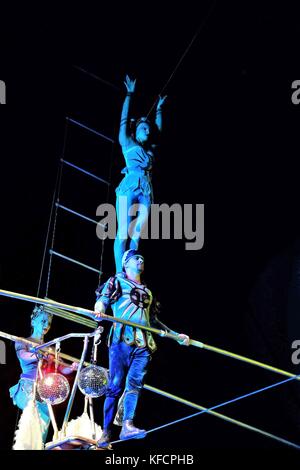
(135, 263)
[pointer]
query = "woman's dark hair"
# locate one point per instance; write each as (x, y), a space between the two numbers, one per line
(141, 120)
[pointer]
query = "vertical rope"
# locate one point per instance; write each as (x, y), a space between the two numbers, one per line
(199, 29)
(56, 196)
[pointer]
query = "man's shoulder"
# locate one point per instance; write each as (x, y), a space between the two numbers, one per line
(120, 280)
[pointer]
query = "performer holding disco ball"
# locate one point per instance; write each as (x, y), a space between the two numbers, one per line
(23, 391)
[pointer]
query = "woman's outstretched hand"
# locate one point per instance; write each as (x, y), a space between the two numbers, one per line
(130, 84)
(161, 101)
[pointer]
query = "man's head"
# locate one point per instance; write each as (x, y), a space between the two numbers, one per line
(142, 130)
(133, 261)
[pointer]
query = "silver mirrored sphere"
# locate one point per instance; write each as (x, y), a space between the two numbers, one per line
(53, 388)
(93, 381)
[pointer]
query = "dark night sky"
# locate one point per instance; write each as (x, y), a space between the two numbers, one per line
(230, 142)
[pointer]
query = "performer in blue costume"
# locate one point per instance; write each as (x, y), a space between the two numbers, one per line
(130, 349)
(139, 151)
(22, 392)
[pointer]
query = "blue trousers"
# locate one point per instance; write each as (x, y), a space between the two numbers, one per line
(127, 370)
(134, 224)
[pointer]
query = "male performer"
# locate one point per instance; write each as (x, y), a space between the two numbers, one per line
(130, 349)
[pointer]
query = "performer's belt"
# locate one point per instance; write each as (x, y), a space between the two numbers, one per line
(138, 171)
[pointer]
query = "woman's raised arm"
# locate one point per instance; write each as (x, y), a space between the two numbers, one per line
(124, 133)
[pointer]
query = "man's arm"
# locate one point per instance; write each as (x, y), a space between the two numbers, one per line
(108, 295)
(156, 323)
(124, 133)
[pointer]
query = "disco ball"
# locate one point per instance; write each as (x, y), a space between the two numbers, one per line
(53, 388)
(93, 381)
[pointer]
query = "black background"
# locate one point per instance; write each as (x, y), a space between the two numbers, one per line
(230, 142)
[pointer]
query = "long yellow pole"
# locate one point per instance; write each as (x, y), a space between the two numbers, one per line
(198, 344)
(86, 312)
